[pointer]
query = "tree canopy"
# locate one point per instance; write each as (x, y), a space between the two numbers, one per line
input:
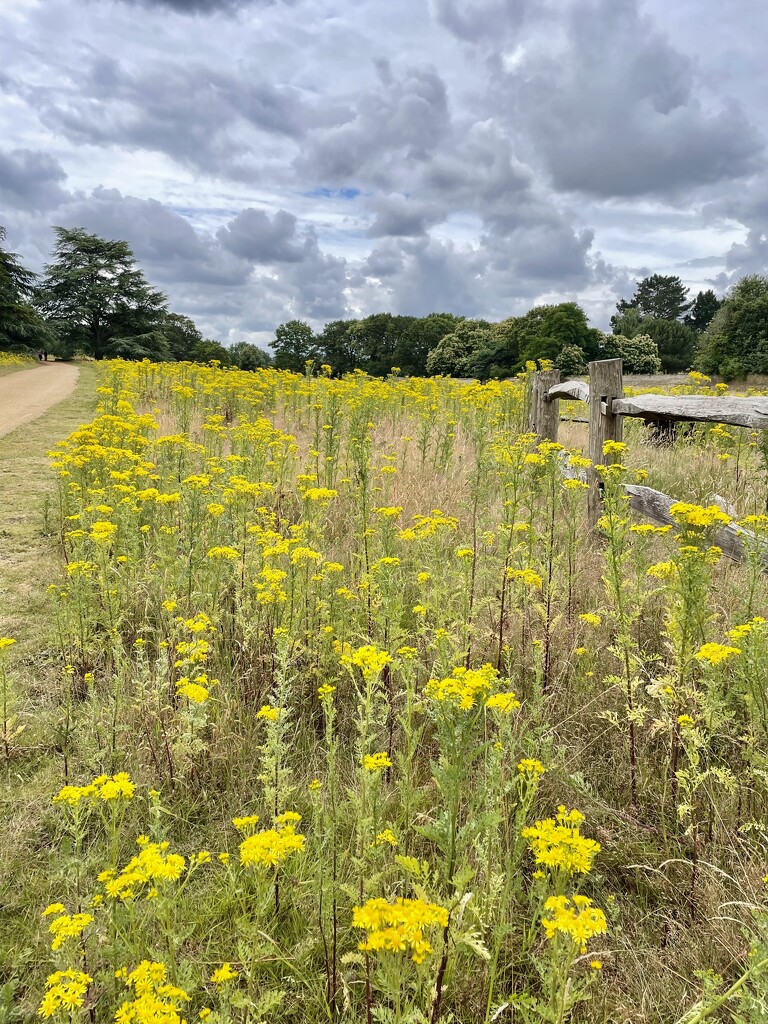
(736, 341)
(21, 326)
(661, 296)
(702, 310)
(98, 300)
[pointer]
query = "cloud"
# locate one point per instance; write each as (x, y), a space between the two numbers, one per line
(200, 6)
(400, 216)
(256, 238)
(629, 123)
(394, 128)
(479, 20)
(209, 119)
(31, 180)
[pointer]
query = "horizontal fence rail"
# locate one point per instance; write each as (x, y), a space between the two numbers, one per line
(608, 406)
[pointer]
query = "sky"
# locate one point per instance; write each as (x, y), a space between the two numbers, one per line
(270, 160)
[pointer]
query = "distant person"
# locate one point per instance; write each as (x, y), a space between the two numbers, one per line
(45, 356)
(39, 355)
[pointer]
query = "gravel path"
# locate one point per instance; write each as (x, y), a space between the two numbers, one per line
(27, 394)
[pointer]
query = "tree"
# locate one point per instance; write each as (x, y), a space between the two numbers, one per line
(20, 324)
(640, 353)
(663, 297)
(455, 354)
(206, 351)
(98, 300)
(570, 361)
(546, 330)
(294, 345)
(499, 354)
(736, 341)
(704, 307)
(628, 324)
(417, 338)
(677, 343)
(248, 357)
(181, 335)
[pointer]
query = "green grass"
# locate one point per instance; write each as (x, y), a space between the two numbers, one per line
(29, 560)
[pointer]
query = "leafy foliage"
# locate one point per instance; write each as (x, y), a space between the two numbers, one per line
(98, 301)
(703, 309)
(676, 342)
(454, 355)
(660, 296)
(736, 341)
(640, 353)
(294, 344)
(20, 324)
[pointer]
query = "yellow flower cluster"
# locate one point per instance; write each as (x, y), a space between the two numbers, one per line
(743, 631)
(558, 843)
(224, 974)
(503, 702)
(369, 659)
(528, 577)
(377, 762)
(65, 990)
(463, 687)
(65, 926)
(696, 516)
(591, 618)
(271, 847)
(155, 1001)
(152, 866)
(715, 654)
(246, 821)
(103, 787)
(385, 838)
(399, 927)
(575, 917)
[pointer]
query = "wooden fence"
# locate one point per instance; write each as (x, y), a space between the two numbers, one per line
(607, 408)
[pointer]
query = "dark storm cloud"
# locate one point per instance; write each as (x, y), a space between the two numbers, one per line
(397, 215)
(197, 115)
(748, 205)
(164, 242)
(487, 154)
(396, 126)
(476, 20)
(256, 237)
(614, 110)
(300, 277)
(31, 180)
(200, 6)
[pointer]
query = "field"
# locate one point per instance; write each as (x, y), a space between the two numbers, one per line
(320, 702)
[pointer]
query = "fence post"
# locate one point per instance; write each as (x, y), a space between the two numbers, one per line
(606, 382)
(544, 418)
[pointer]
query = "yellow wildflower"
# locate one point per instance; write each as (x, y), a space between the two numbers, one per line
(376, 762)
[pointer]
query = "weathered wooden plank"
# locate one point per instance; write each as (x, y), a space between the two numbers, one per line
(739, 412)
(735, 541)
(570, 389)
(649, 504)
(544, 413)
(605, 385)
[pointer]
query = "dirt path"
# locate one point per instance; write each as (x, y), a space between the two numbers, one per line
(29, 393)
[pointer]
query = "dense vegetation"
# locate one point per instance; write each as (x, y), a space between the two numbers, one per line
(346, 717)
(93, 299)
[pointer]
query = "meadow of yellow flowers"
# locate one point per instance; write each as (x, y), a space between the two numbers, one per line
(357, 722)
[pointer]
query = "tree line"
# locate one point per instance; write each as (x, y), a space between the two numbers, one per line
(92, 298)
(658, 330)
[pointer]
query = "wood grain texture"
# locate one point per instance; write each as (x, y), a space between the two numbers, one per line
(739, 412)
